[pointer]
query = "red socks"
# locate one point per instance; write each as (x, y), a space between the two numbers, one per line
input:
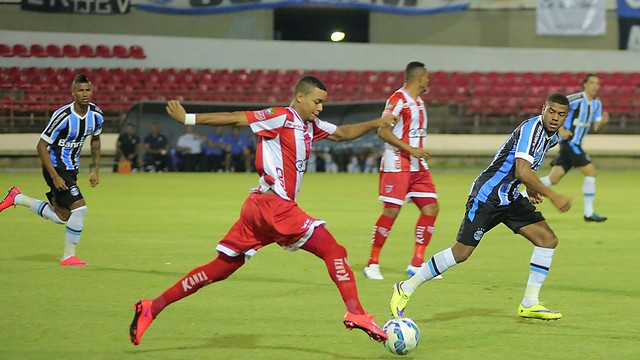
(424, 230)
(380, 233)
(323, 245)
(217, 270)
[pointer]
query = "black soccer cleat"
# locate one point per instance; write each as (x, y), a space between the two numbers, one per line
(595, 218)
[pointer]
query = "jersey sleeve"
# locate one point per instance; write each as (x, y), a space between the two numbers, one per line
(531, 133)
(58, 122)
(267, 122)
(598, 113)
(394, 105)
(99, 123)
(322, 129)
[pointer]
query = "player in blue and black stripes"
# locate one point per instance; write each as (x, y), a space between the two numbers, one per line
(584, 109)
(59, 150)
(494, 198)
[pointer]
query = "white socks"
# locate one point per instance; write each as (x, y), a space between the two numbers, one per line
(74, 230)
(589, 191)
(437, 265)
(538, 270)
(38, 207)
(546, 181)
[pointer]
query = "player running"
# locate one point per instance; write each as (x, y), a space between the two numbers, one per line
(59, 150)
(270, 213)
(494, 199)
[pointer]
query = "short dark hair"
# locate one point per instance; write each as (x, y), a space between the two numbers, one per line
(588, 76)
(81, 79)
(308, 83)
(410, 70)
(558, 98)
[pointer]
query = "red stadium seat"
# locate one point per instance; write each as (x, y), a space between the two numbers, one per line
(103, 51)
(137, 52)
(86, 51)
(5, 51)
(20, 50)
(54, 51)
(70, 50)
(121, 52)
(38, 50)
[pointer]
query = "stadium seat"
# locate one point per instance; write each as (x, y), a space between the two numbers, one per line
(5, 51)
(70, 50)
(20, 50)
(103, 51)
(120, 51)
(137, 52)
(54, 51)
(87, 51)
(38, 50)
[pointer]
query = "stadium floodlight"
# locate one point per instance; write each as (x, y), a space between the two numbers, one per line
(337, 36)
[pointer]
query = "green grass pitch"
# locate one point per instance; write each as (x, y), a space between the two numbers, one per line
(145, 231)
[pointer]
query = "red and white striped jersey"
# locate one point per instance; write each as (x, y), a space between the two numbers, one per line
(284, 145)
(410, 128)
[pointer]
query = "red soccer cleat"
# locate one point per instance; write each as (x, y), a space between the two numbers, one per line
(366, 323)
(141, 320)
(73, 261)
(9, 199)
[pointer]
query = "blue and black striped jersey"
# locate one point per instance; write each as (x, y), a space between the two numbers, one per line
(582, 113)
(66, 132)
(498, 183)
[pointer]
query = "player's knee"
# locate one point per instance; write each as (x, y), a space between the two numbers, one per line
(461, 252)
(550, 242)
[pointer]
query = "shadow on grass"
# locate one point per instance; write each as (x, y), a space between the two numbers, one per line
(464, 313)
(248, 342)
(38, 258)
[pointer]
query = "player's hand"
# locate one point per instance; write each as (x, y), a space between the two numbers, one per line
(176, 110)
(388, 121)
(534, 197)
(59, 183)
(420, 153)
(94, 179)
(561, 202)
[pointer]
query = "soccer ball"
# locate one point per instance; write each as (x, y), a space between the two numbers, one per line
(403, 335)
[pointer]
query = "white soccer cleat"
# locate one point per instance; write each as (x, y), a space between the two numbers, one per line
(373, 272)
(412, 270)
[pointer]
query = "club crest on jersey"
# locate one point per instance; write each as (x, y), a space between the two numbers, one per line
(74, 191)
(477, 236)
(388, 188)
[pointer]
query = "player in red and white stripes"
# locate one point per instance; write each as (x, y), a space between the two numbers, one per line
(270, 213)
(404, 173)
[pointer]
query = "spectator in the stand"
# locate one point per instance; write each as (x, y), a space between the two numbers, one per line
(321, 166)
(128, 148)
(238, 159)
(156, 147)
(189, 150)
(215, 150)
(330, 165)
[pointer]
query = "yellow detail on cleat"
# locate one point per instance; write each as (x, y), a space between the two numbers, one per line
(538, 311)
(399, 300)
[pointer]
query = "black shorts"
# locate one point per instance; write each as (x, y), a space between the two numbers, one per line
(481, 217)
(571, 156)
(65, 197)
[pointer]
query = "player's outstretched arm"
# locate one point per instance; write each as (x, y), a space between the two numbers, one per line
(354, 131)
(531, 181)
(178, 113)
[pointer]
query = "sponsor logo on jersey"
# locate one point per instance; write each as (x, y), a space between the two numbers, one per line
(578, 123)
(70, 144)
(194, 279)
(292, 125)
(417, 133)
(301, 165)
(341, 271)
(388, 188)
(260, 115)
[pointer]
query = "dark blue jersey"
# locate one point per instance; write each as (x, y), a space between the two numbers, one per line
(498, 183)
(66, 132)
(582, 113)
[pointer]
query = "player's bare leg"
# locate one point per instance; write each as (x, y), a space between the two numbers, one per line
(589, 193)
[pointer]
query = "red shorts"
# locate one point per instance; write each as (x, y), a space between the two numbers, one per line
(265, 219)
(396, 187)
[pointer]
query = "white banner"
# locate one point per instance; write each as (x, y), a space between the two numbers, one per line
(220, 6)
(571, 17)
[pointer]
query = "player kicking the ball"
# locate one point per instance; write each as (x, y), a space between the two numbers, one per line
(270, 213)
